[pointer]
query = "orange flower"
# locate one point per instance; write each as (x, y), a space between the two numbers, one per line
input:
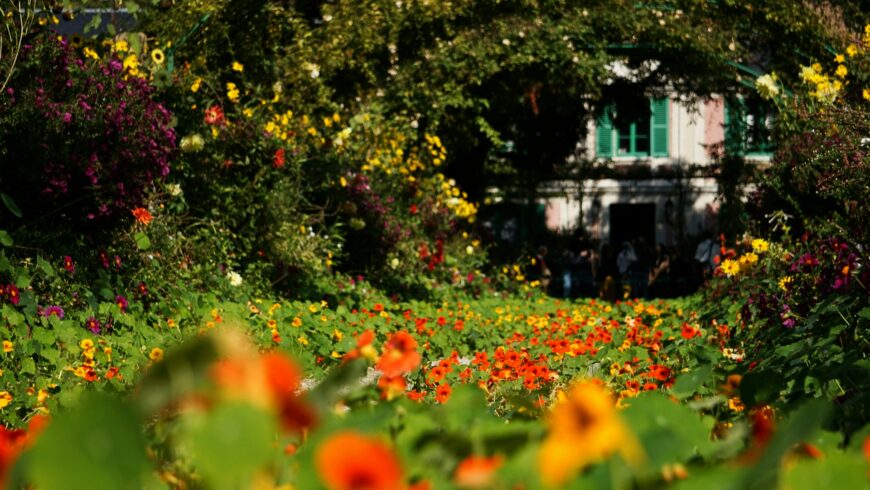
(476, 471)
(392, 387)
(112, 372)
(351, 461)
(282, 380)
(442, 393)
(400, 355)
(13, 442)
(142, 215)
(866, 448)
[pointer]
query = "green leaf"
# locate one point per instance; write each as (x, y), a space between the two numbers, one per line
(337, 384)
(142, 240)
(5, 238)
(668, 431)
(10, 204)
(835, 470)
(232, 442)
(687, 384)
(27, 366)
(760, 387)
(96, 445)
(183, 370)
(46, 267)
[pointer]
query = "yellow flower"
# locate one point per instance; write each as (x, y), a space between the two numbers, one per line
(5, 399)
(839, 58)
(866, 94)
(784, 282)
(584, 428)
(121, 46)
(730, 267)
(337, 335)
(749, 259)
(158, 57)
(90, 53)
(313, 308)
(194, 87)
(156, 354)
(842, 71)
(131, 62)
(297, 322)
(86, 344)
(232, 92)
(8, 346)
(760, 245)
(302, 340)
(852, 50)
(238, 67)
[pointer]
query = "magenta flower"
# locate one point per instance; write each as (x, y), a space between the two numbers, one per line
(122, 303)
(69, 265)
(93, 325)
(12, 294)
(51, 310)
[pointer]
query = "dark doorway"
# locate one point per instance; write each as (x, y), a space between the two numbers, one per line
(629, 221)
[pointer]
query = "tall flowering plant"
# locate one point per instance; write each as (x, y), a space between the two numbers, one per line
(80, 135)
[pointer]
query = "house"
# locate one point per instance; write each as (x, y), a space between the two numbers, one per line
(661, 179)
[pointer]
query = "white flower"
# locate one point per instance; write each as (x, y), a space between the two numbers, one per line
(312, 69)
(766, 86)
(469, 250)
(394, 263)
(174, 190)
(506, 42)
(192, 143)
(234, 278)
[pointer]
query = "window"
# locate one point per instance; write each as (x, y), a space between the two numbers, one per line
(748, 126)
(644, 135)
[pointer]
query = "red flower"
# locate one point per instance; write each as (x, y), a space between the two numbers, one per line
(214, 115)
(278, 158)
(688, 332)
(142, 215)
(476, 471)
(442, 393)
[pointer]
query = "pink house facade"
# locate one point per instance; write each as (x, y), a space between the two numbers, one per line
(664, 202)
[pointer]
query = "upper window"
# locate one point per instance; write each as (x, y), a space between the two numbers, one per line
(748, 126)
(642, 135)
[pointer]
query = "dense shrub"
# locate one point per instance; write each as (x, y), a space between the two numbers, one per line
(82, 139)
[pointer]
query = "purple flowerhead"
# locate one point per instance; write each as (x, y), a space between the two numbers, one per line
(55, 310)
(68, 264)
(12, 294)
(93, 325)
(122, 303)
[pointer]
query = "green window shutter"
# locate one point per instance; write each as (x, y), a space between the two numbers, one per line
(659, 127)
(735, 126)
(604, 135)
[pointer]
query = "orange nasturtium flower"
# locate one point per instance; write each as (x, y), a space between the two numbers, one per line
(400, 355)
(584, 428)
(476, 471)
(142, 215)
(351, 461)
